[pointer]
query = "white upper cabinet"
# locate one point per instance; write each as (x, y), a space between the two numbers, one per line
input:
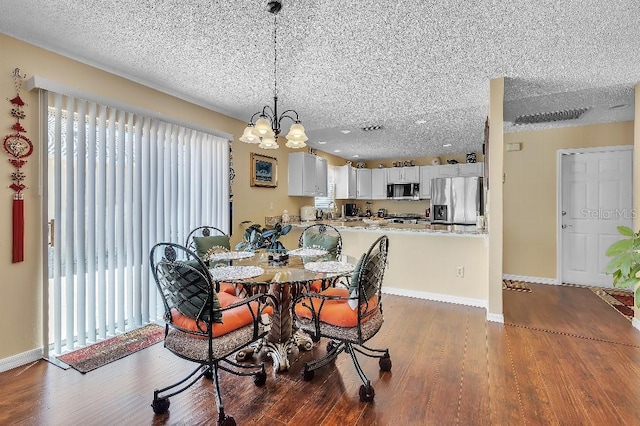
(378, 184)
(346, 187)
(363, 183)
(426, 174)
(403, 174)
(461, 169)
(307, 175)
(471, 169)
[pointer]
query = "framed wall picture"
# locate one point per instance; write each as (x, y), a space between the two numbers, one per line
(264, 170)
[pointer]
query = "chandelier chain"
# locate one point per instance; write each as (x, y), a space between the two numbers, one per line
(275, 55)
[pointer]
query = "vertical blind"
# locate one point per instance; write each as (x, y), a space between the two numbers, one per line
(118, 183)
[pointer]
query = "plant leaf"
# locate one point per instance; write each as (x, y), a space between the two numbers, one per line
(626, 231)
(619, 247)
(631, 282)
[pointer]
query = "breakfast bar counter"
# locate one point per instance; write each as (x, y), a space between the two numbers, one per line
(426, 261)
(359, 225)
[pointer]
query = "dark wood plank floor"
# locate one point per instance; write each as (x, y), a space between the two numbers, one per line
(563, 356)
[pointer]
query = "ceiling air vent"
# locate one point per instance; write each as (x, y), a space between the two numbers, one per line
(547, 117)
(372, 128)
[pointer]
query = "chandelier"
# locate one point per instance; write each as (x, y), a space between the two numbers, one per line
(266, 129)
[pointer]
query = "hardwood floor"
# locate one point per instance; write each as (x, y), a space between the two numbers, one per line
(563, 356)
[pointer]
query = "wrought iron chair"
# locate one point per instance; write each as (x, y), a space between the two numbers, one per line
(322, 236)
(205, 238)
(204, 326)
(348, 317)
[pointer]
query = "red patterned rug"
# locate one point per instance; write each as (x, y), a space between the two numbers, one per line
(621, 300)
(115, 348)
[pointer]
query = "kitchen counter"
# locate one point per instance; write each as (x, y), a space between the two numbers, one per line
(397, 228)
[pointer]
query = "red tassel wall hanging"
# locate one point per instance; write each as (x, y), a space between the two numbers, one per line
(19, 147)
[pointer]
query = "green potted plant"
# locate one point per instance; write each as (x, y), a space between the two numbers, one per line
(625, 262)
(256, 237)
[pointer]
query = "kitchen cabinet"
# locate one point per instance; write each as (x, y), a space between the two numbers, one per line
(471, 169)
(378, 184)
(403, 174)
(461, 169)
(345, 179)
(363, 184)
(426, 174)
(322, 179)
(307, 175)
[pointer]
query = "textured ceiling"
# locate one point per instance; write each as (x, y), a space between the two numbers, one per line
(344, 65)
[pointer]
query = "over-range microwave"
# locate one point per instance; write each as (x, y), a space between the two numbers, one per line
(403, 191)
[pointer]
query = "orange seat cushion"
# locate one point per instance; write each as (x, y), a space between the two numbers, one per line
(232, 319)
(335, 312)
(227, 288)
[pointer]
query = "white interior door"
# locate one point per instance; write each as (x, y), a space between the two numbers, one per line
(596, 198)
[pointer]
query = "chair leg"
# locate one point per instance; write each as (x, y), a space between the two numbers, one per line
(334, 348)
(366, 391)
(161, 403)
(383, 355)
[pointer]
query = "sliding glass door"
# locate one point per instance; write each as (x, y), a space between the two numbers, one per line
(116, 184)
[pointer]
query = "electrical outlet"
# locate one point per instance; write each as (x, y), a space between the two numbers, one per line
(459, 271)
(271, 205)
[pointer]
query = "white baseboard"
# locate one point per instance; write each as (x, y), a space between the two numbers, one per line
(636, 323)
(20, 359)
(538, 280)
(479, 303)
(495, 318)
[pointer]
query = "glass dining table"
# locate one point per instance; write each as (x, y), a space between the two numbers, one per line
(284, 274)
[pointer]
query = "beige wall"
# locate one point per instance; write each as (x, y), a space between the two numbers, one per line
(530, 192)
(425, 264)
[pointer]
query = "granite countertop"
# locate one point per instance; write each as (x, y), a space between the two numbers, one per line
(359, 225)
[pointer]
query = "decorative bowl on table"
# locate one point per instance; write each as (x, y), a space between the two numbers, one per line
(374, 221)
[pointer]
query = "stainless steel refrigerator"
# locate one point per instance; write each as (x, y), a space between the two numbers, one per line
(456, 200)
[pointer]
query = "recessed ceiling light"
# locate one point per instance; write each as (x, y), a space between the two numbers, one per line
(322, 142)
(356, 156)
(336, 150)
(346, 132)
(446, 145)
(421, 121)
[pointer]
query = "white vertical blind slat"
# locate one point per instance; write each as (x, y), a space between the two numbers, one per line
(81, 158)
(69, 273)
(91, 222)
(120, 252)
(128, 221)
(101, 229)
(57, 215)
(137, 222)
(111, 222)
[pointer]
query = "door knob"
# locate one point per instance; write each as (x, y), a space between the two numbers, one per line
(564, 213)
(565, 226)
